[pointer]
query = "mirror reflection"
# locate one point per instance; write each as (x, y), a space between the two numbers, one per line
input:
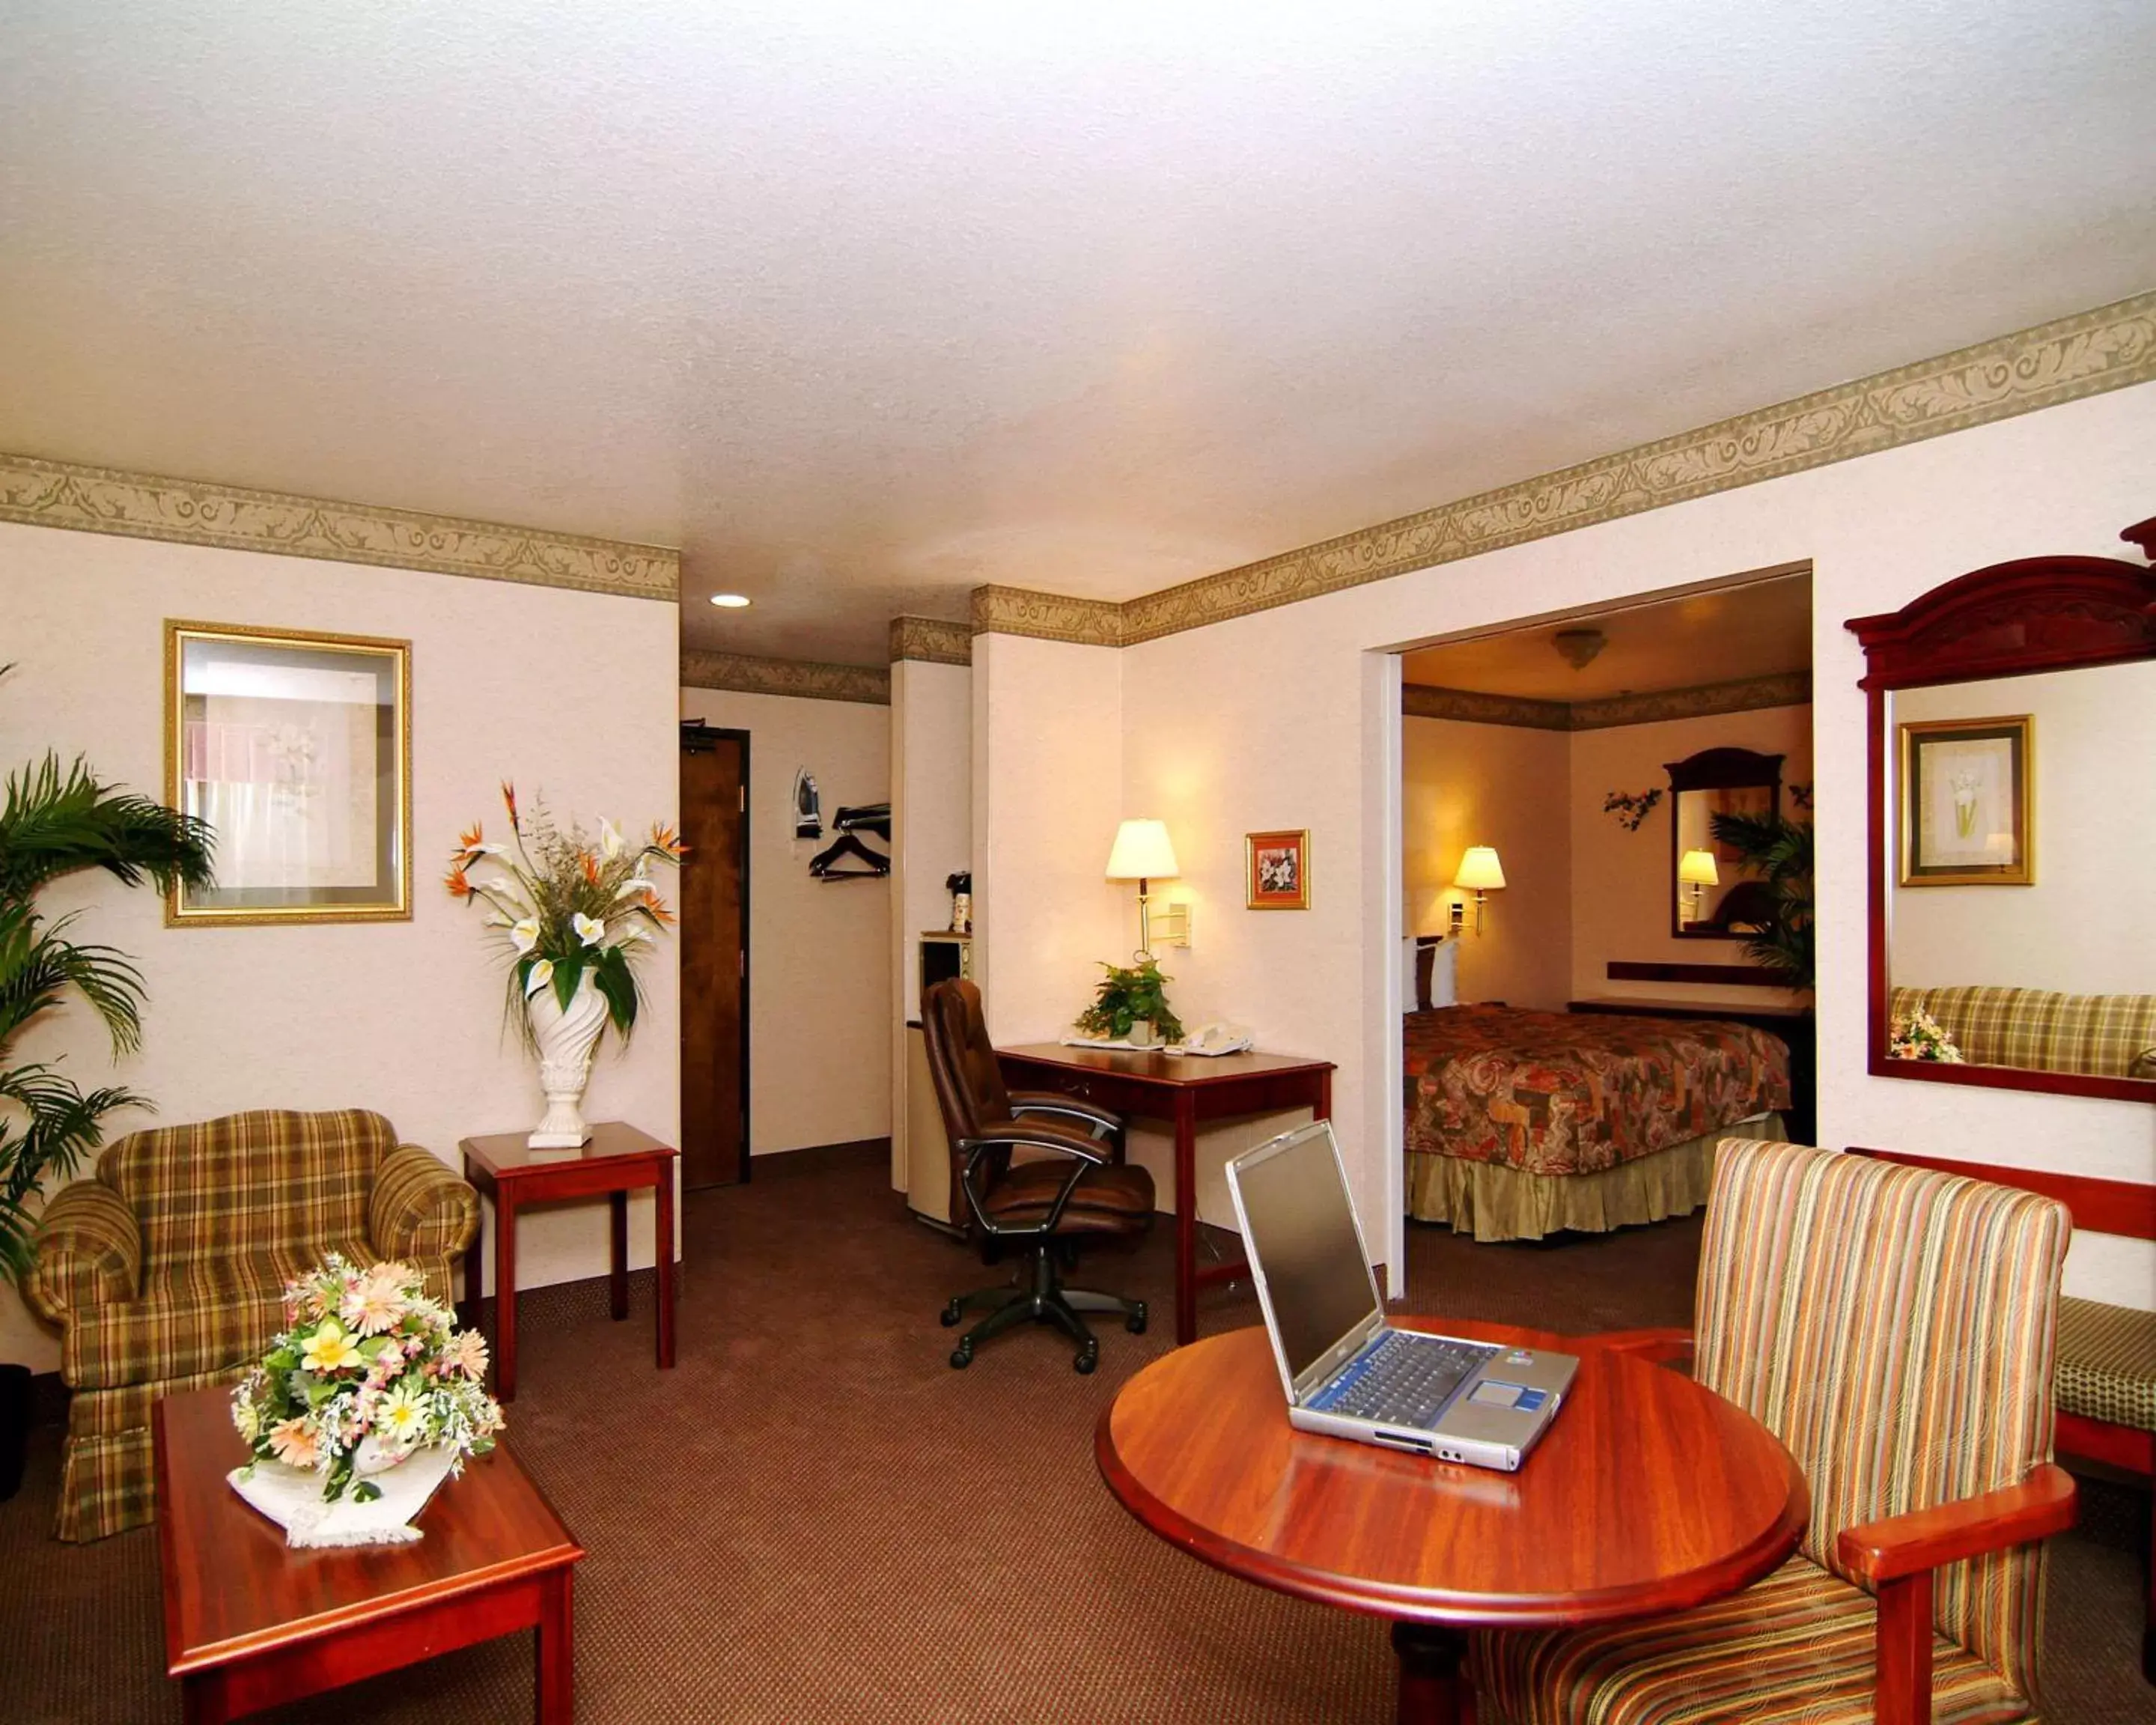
(1711, 895)
(2020, 931)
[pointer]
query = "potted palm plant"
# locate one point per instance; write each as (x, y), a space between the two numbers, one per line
(56, 821)
(1778, 851)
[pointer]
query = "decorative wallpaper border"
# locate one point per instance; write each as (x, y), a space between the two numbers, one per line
(2111, 347)
(1429, 701)
(802, 678)
(1048, 616)
(1741, 694)
(101, 500)
(931, 640)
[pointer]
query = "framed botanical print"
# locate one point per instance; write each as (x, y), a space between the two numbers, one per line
(1966, 797)
(297, 751)
(1277, 870)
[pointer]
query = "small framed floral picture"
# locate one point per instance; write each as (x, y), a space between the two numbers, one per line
(1967, 792)
(1277, 870)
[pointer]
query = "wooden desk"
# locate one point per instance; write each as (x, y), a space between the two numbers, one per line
(617, 1161)
(1183, 1089)
(250, 1623)
(1648, 1494)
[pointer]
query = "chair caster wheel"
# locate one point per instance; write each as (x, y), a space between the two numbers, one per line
(951, 1314)
(1136, 1322)
(1087, 1359)
(962, 1357)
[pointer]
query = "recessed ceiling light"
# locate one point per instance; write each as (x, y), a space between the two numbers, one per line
(729, 601)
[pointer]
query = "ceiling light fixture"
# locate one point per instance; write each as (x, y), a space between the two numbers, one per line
(1576, 646)
(731, 601)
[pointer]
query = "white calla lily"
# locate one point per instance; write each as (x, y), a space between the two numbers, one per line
(631, 932)
(538, 977)
(524, 936)
(634, 887)
(609, 838)
(589, 929)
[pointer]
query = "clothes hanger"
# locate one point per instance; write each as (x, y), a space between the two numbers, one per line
(869, 818)
(846, 845)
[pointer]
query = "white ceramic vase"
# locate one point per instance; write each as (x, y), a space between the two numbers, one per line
(565, 1040)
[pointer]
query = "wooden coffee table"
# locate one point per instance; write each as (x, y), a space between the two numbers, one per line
(250, 1623)
(1648, 1494)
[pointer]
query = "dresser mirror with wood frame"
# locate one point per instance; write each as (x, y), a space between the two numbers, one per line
(2012, 827)
(1710, 897)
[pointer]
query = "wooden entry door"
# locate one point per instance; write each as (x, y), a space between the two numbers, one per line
(714, 956)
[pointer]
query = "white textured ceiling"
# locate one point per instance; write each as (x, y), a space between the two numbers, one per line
(863, 304)
(1761, 628)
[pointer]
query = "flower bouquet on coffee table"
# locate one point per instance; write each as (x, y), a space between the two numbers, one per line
(366, 1402)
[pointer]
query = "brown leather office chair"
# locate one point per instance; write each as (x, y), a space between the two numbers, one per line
(1081, 1190)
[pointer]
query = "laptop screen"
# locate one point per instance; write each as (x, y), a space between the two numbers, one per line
(1300, 1230)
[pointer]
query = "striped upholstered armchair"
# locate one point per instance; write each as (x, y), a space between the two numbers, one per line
(166, 1270)
(1894, 1327)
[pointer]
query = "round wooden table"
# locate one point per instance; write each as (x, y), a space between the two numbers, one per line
(1648, 1494)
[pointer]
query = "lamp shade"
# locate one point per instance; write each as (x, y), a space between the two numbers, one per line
(1480, 871)
(1696, 868)
(1141, 852)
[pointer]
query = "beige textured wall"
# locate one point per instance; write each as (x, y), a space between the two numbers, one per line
(565, 691)
(2089, 923)
(819, 952)
(1048, 795)
(1620, 880)
(1506, 785)
(931, 800)
(1277, 718)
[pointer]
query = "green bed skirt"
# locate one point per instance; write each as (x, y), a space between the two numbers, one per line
(1493, 1202)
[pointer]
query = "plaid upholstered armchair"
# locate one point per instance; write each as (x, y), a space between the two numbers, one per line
(166, 1271)
(1894, 1327)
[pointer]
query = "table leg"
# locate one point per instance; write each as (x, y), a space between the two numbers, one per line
(618, 1254)
(1321, 1109)
(1186, 1216)
(475, 1266)
(663, 1261)
(554, 1682)
(1432, 1691)
(201, 1698)
(505, 1294)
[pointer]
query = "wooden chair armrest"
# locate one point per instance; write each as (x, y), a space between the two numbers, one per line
(1659, 1347)
(1924, 1539)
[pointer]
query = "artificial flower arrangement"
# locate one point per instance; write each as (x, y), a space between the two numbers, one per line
(1919, 1037)
(365, 1354)
(568, 905)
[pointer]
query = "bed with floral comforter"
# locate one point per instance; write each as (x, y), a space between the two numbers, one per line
(1522, 1122)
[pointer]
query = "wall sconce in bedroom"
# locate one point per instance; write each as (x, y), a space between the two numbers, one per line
(1481, 874)
(1696, 873)
(1142, 853)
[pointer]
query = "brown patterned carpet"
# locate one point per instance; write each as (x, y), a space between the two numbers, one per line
(813, 1518)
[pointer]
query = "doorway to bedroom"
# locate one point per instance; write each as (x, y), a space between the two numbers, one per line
(1605, 855)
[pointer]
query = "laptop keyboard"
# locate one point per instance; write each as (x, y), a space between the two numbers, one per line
(1404, 1379)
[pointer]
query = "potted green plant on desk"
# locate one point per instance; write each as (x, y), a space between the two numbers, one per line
(55, 821)
(1130, 1003)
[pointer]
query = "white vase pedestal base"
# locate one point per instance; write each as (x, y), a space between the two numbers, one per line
(565, 1041)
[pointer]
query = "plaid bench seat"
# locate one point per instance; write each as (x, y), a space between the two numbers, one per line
(2108, 1364)
(2106, 1036)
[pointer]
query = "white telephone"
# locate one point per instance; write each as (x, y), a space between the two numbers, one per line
(1218, 1039)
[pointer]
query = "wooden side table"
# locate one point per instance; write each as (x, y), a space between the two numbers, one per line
(618, 1160)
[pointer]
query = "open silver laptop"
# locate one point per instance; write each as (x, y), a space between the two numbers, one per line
(1348, 1372)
